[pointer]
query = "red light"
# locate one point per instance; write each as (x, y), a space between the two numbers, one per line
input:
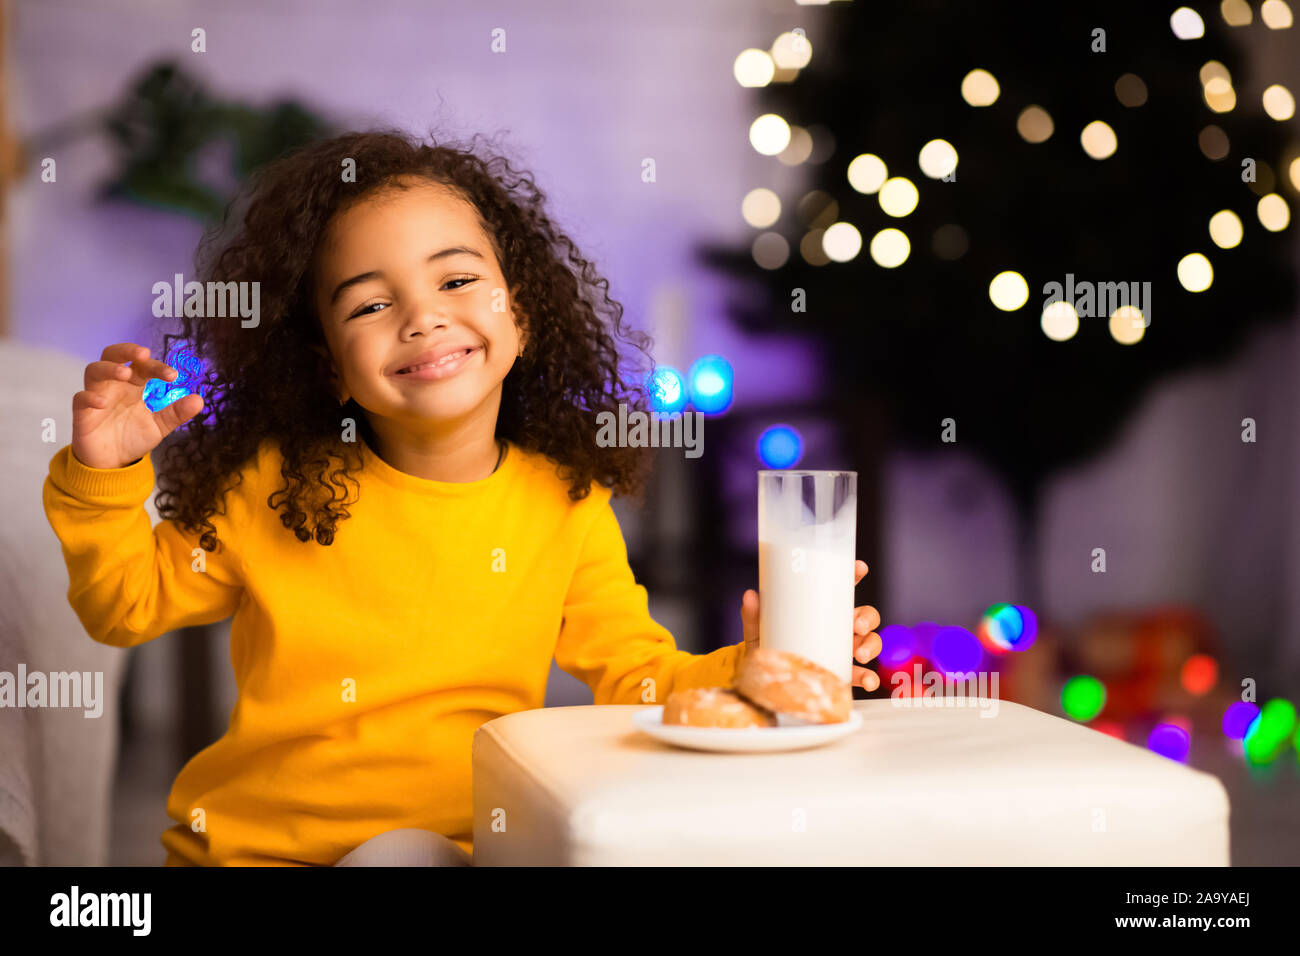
(1200, 673)
(1110, 727)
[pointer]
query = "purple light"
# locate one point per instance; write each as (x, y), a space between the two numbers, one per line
(1170, 741)
(1029, 632)
(956, 650)
(923, 634)
(1238, 718)
(897, 644)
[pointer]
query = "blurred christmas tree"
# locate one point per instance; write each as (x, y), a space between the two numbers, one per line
(167, 129)
(921, 340)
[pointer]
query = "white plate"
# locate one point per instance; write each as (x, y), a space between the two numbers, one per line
(790, 735)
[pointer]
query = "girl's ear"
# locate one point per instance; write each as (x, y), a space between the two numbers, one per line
(340, 392)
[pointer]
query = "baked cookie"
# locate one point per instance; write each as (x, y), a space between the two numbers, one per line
(714, 707)
(789, 684)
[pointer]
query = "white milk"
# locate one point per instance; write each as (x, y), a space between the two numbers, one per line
(805, 580)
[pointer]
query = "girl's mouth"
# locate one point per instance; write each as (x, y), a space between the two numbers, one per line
(449, 365)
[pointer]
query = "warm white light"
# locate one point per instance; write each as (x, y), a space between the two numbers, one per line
(1098, 140)
(770, 250)
(1274, 214)
(898, 196)
(1219, 95)
(1009, 291)
(841, 241)
(1236, 13)
(1195, 272)
(761, 207)
(769, 134)
(791, 51)
(867, 173)
(1279, 103)
(754, 68)
(1213, 69)
(1295, 174)
(890, 248)
(1225, 229)
(938, 158)
(1127, 325)
(1060, 321)
(1275, 14)
(799, 148)
(1187, 24)
(1034, 124)
(979, 88)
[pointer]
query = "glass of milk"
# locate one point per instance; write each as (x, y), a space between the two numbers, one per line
(807, 523)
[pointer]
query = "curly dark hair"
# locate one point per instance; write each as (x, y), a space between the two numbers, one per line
(267, 381)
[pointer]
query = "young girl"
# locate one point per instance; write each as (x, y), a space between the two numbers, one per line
(394, 488)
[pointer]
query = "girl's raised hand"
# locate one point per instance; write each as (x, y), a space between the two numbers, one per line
(866, 642)
(111, 424)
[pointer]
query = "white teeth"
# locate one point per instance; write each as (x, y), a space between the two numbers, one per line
(442, 361)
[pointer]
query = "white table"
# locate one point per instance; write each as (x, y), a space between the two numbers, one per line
(581, 786)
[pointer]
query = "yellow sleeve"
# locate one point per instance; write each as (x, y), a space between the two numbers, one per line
(609, 641)
(128, 582)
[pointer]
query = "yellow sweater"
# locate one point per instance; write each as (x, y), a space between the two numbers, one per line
(365, 667)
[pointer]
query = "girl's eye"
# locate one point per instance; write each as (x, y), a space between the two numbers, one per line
(467, 279)
(364, 308)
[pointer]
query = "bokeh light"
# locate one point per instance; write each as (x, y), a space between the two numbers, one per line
(1009, 291)
(1275, 14)
(1170, 740)
(937, 159)
(1099, 140)
(890, 248)
(1199, 674)
(754, 68)
(999, 628)
(667, 390)
(1195, 272)
(1187, 24)
(769, 134)
(1130, 90)
(956, 650)
(979, 88)
(1226, 229)
(1269, 735)
(898, 197)
(1274, 214)
(711, 380)
(1237, 719)
(1035, 125)
(867, 173)
(1083, 697)
(1060, 321)
(761, 208)
(1279, 104)
(1236, 13)
(897, 645)
(841, 241)
(770, 250)
(780, 447)
(1213, 142)
(1127, 325)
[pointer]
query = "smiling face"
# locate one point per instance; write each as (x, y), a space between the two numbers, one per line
(409, 276)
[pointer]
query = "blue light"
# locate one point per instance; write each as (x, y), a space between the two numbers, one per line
(158, 394)
(780, 447)
(711, 380)
(667, 390)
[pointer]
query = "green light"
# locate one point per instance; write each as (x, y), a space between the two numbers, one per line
(1083, 697)
(1268, 734)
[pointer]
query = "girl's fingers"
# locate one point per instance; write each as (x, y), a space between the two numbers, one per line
(865, 619)
(859, 570)
(749, 615)
(866, 648)
(865, 677)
